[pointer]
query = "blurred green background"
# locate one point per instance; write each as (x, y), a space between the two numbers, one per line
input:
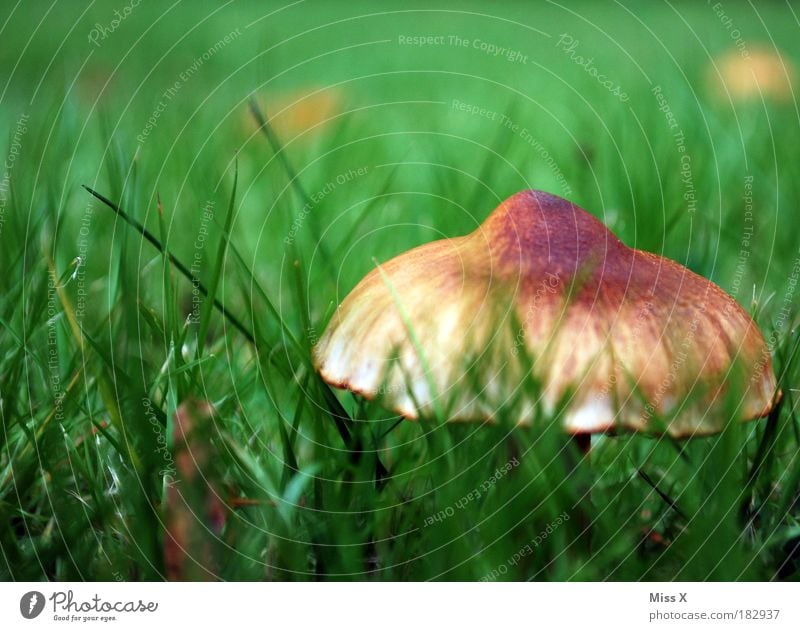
(393, 124)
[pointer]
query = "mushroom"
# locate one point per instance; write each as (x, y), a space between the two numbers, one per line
(298, 115)
(629, 339)
(754, 74)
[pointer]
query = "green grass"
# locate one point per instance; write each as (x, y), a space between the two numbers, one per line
(102, 338)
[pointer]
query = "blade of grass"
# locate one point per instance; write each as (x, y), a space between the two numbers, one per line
(171, 316)
(270, 306)
(277, 148)
(174, 260)
(107, 390)
(652, 484)
(216, 271)
(437, 408)
(339, 415)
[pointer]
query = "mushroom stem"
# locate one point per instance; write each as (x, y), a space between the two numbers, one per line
(584, 442)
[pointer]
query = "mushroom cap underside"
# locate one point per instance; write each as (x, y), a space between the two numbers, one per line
(543, 292)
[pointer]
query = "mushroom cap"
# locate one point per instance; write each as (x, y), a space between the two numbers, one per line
(542, 290)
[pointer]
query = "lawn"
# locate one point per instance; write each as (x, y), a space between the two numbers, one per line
(161, 415)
